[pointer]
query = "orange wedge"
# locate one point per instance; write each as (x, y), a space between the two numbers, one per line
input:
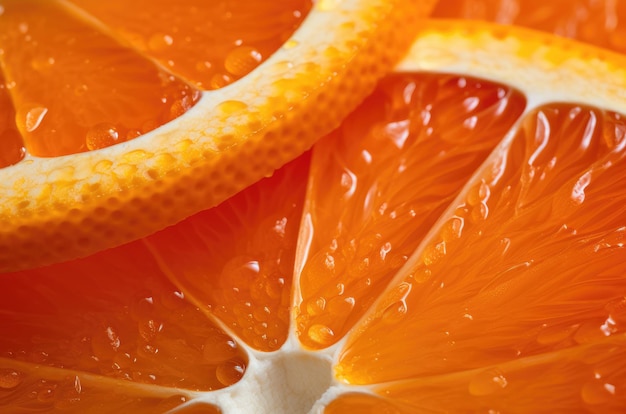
(126, 122)
(457, 245)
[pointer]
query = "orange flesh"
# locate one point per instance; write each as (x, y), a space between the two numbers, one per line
(88, 316)
(234, 36)
(379, 183)
(101, 86)
(531, 257)
(237, 259)
(11, 147)
(537, 236)
(600, 22)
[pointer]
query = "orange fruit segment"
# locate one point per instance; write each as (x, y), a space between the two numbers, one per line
(456, 245)
(11, 147)
(598, 22)
(380, 181)
(559, 179)
(237, 35)
(116, 96)
(195, 139)
(237, 259)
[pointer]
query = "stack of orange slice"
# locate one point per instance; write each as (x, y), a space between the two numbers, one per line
(455, 245)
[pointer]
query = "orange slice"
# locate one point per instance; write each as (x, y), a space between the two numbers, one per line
(77, 76)
(457, 245)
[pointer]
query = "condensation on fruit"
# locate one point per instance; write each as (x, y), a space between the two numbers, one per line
(242, 60)
(218, 349)
(68, 393)
(34, 117)
(101, 135)
(321, 334)
(487, 382)
(395, 312)
(159, 41)
(230, 372)
(10, 378)
(597, 391)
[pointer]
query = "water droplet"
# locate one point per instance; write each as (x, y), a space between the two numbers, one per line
(341, 306)
(433, 253)
(173, 300)
(479, 212)
(421, 274)
(589, 332)
(395, 312)
(148, 350)
(218, 348)
(617, 310)
(170, 403)
(203, 66)
(180, 106)
(160, 41)
(329, 262)
(143, 309)
(105, 343)
(68, 393)
(257, 290)
(219, 80)
(34, 117)
(81, 89)
(42, 63)
(46, 394)
(478, 193)
(9, 379)
(262, 314)
(452, 229)
(487, 382)
(384, 250)
(315, 307)
(148, 329)
(554, 334)
(242, 60)
(597, 392)
(321, 334)
(230, 372)
(274, 287)
(101, 136)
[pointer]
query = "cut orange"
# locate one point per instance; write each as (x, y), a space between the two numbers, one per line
(175, 87)
(457, 245)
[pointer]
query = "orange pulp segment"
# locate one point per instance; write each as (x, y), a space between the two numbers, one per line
(237, 260)
(98, 91)
(602, 23)
(544, 216)
(209, 44)
(11, 146)
(87, 318)
(380, 181)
